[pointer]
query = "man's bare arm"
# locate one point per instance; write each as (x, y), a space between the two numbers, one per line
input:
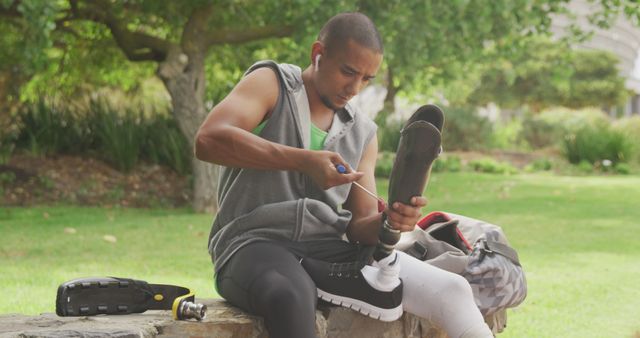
(224, 137)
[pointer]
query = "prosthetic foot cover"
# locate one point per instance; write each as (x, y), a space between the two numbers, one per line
(420, 145)
(118, 296)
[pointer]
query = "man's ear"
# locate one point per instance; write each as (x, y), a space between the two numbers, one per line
(317, 49)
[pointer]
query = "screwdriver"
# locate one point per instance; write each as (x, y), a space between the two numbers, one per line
(381, 204)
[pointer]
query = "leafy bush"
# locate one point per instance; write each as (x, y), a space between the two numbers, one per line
(548, 128)
(7, 177)
(539, 133)
(464, 129)
(384, 164)
(120, 136)
(48, 129)
(585, 166)
(541, 164)
(487, 165)
(165, 144)
(630, 127)
(7, 144)
(447, 163)
(389, 136)
(507, 136)
(596, 144)
(622, 168)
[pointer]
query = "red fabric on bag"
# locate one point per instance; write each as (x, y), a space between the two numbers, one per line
(439, 217)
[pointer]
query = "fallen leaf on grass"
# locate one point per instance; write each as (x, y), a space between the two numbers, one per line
(70, 231)
(110, 238)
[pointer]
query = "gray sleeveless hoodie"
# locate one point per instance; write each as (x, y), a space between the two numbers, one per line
(287, 205)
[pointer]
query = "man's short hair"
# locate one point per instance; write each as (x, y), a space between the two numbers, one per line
(356, 26)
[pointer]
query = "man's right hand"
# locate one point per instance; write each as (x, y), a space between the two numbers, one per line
(321, 167)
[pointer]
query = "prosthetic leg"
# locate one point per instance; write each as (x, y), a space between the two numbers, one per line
(118, 296)
(420, 145)
(376, 290)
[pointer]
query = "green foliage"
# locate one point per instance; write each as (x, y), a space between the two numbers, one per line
(584, 135)
(166, 145)
(630, 127)
(7, 177)
(427, 42)
(122, 136)
(595, 145)
(47, 129)
(384, 163)
(125, 137)
(491, 166)
(549, 127)
(541, 164)
(507, 135)
(38, 25)
(595, 80)
(85, 65)
(539, 133)
(8, 136)
(389, 136)
(535, 75)
(447, 163)
(622, 169)
(546, 73)
(464, 129)
(585, 167)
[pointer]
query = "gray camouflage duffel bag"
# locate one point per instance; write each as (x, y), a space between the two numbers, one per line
(477, 250)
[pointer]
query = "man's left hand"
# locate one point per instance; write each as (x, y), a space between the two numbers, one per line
(404, 217)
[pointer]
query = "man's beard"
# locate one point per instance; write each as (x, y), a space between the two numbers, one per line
(328, 103)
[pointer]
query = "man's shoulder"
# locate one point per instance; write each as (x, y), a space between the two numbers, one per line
(290, 75)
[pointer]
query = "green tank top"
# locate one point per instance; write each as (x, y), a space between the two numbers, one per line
(318, 136)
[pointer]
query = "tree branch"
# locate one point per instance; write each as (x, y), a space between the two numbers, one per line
(12, 11)
(237, 36)
(136, 46)
(195, 31)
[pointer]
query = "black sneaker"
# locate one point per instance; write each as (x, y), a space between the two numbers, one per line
(353, 285)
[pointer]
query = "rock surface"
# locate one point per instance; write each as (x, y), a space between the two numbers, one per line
(223, 320)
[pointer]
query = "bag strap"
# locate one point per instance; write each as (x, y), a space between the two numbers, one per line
(489, 247)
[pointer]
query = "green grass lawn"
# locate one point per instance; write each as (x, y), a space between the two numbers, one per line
(578, 240)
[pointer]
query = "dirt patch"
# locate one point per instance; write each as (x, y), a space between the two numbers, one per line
(516, 159)
(28, 180)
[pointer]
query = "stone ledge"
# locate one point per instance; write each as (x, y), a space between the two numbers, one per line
(223, 320)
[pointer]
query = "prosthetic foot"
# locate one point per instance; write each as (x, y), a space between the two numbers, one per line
(118, 296)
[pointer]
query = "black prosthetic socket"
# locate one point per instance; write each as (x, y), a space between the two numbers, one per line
(419, 146)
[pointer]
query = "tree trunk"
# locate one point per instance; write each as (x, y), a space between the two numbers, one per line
(388, 106)
(183, 76)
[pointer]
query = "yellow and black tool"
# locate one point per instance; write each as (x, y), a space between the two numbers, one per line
(118, 296)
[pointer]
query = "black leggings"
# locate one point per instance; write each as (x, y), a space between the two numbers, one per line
(266, 279)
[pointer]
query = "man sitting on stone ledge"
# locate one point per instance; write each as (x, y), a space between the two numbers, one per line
(280, 134)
